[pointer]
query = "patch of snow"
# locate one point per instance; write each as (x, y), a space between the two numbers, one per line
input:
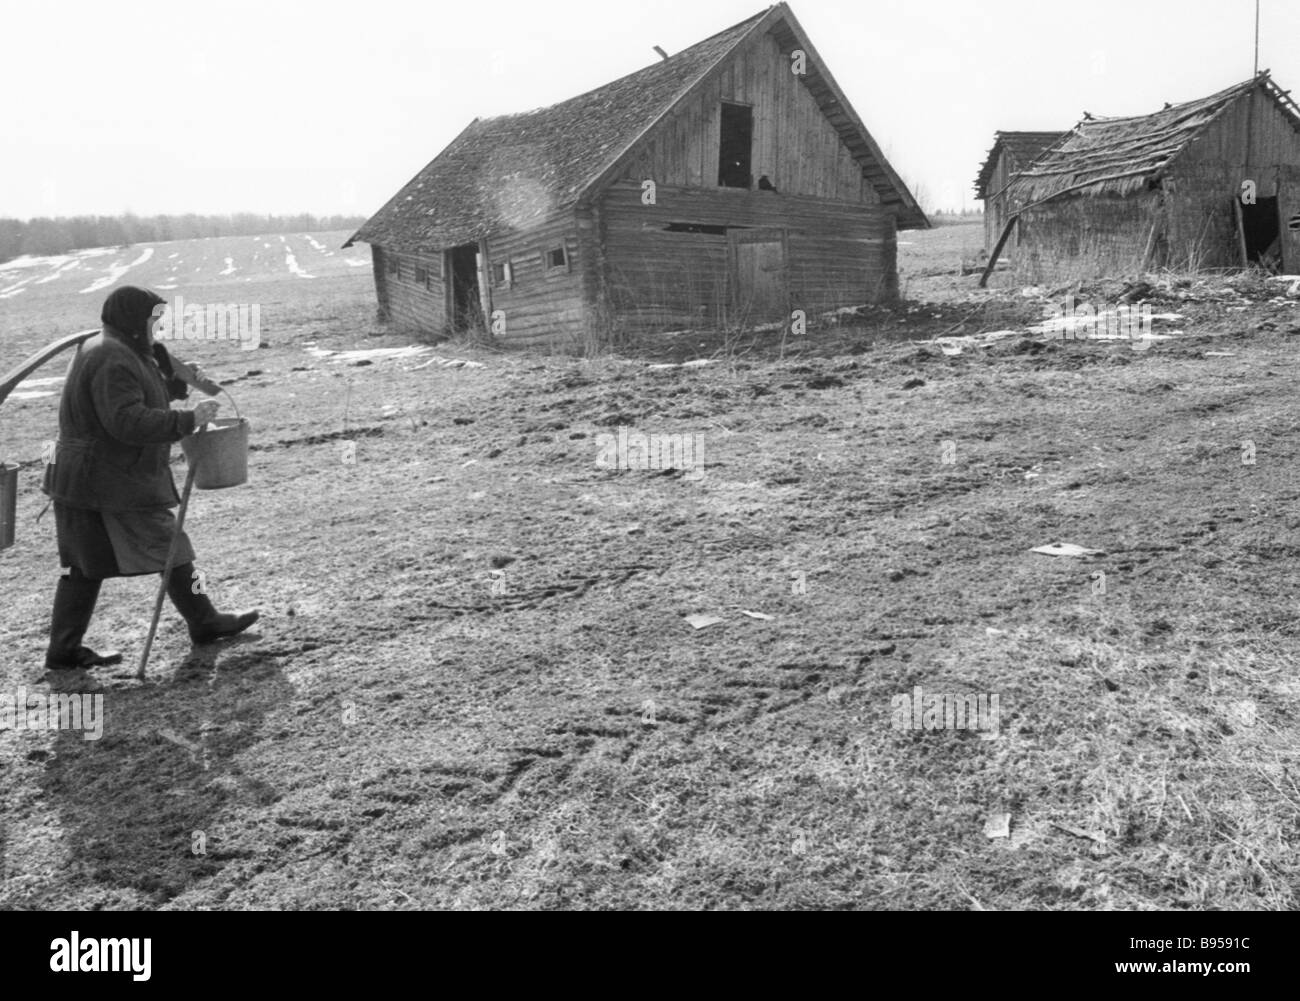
(72, 265)
(230, 266)
(356, 262)
(116, 271)
(292, 262)
(16, 287)
(27, 261)
(36, 395)
(697, 363)
(369, 354)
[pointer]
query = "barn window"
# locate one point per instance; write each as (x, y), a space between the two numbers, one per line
(735, 146)
(502, 274)
(421, 275)
(557, 259)
(394, 266)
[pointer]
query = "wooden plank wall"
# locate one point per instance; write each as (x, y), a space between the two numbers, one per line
(412, 306)
(539, 307)
(840, 253)
(1208, 176)
(794, 144)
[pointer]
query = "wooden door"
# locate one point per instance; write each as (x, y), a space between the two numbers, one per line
(758, 265)
(1288, 204)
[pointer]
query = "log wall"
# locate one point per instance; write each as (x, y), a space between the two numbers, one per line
(539, 306)
(410, 305)
(839, 253)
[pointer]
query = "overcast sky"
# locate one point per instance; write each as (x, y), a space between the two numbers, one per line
(329, 107)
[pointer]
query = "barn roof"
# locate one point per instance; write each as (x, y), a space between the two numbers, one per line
(511, 171)
(1023, 147)
(1117, 156)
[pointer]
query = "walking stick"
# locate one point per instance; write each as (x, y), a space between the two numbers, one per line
(167, 570)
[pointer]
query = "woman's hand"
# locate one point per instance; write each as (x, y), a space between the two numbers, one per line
(205, 412)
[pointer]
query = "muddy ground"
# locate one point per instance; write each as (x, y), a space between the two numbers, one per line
(474, 684)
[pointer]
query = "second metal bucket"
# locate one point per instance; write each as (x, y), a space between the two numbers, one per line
(8, 503)
(221, 455)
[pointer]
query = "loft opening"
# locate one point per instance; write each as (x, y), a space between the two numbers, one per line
(696, 227)
(736, 144)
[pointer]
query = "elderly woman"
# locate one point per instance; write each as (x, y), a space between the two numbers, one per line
(111, 482)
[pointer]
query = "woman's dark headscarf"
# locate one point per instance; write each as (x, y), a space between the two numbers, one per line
(129, 310)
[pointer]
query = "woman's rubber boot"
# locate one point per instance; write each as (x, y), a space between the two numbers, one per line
(207, 625)
(74, 605)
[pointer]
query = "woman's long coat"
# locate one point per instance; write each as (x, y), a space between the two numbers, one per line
(116, 428)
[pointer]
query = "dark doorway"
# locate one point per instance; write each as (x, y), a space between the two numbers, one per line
(466, 311)
(735, 146)
(1260, 224)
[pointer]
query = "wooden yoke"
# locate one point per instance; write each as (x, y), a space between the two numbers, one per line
(11, 379)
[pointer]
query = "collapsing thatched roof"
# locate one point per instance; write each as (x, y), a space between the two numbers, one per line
(511, 171)
(1022, 147)
(1118, 156)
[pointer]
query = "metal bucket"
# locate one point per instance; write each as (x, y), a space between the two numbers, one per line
(8, 503)
(221, 455)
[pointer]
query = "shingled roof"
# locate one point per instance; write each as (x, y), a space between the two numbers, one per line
(1117, 156)
(511, 171)
(1023, 147)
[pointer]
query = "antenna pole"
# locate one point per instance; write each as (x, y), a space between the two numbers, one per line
(1256, 37)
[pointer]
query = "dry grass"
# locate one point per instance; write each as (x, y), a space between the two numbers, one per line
(504, 754)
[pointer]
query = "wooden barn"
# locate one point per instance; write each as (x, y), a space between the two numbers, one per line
(1011, 152)
(729, 183)
(1120, 196)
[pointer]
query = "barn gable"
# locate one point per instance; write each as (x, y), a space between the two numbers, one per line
(511, 172)
(1011, 152)
(1019, 149)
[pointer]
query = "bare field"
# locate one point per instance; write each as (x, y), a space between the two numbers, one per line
(474, 684)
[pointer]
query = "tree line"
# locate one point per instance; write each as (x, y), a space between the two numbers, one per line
(58, 236)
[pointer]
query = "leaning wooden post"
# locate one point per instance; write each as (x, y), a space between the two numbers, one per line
(997, 250)
(1150, 250)
(167, 570)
